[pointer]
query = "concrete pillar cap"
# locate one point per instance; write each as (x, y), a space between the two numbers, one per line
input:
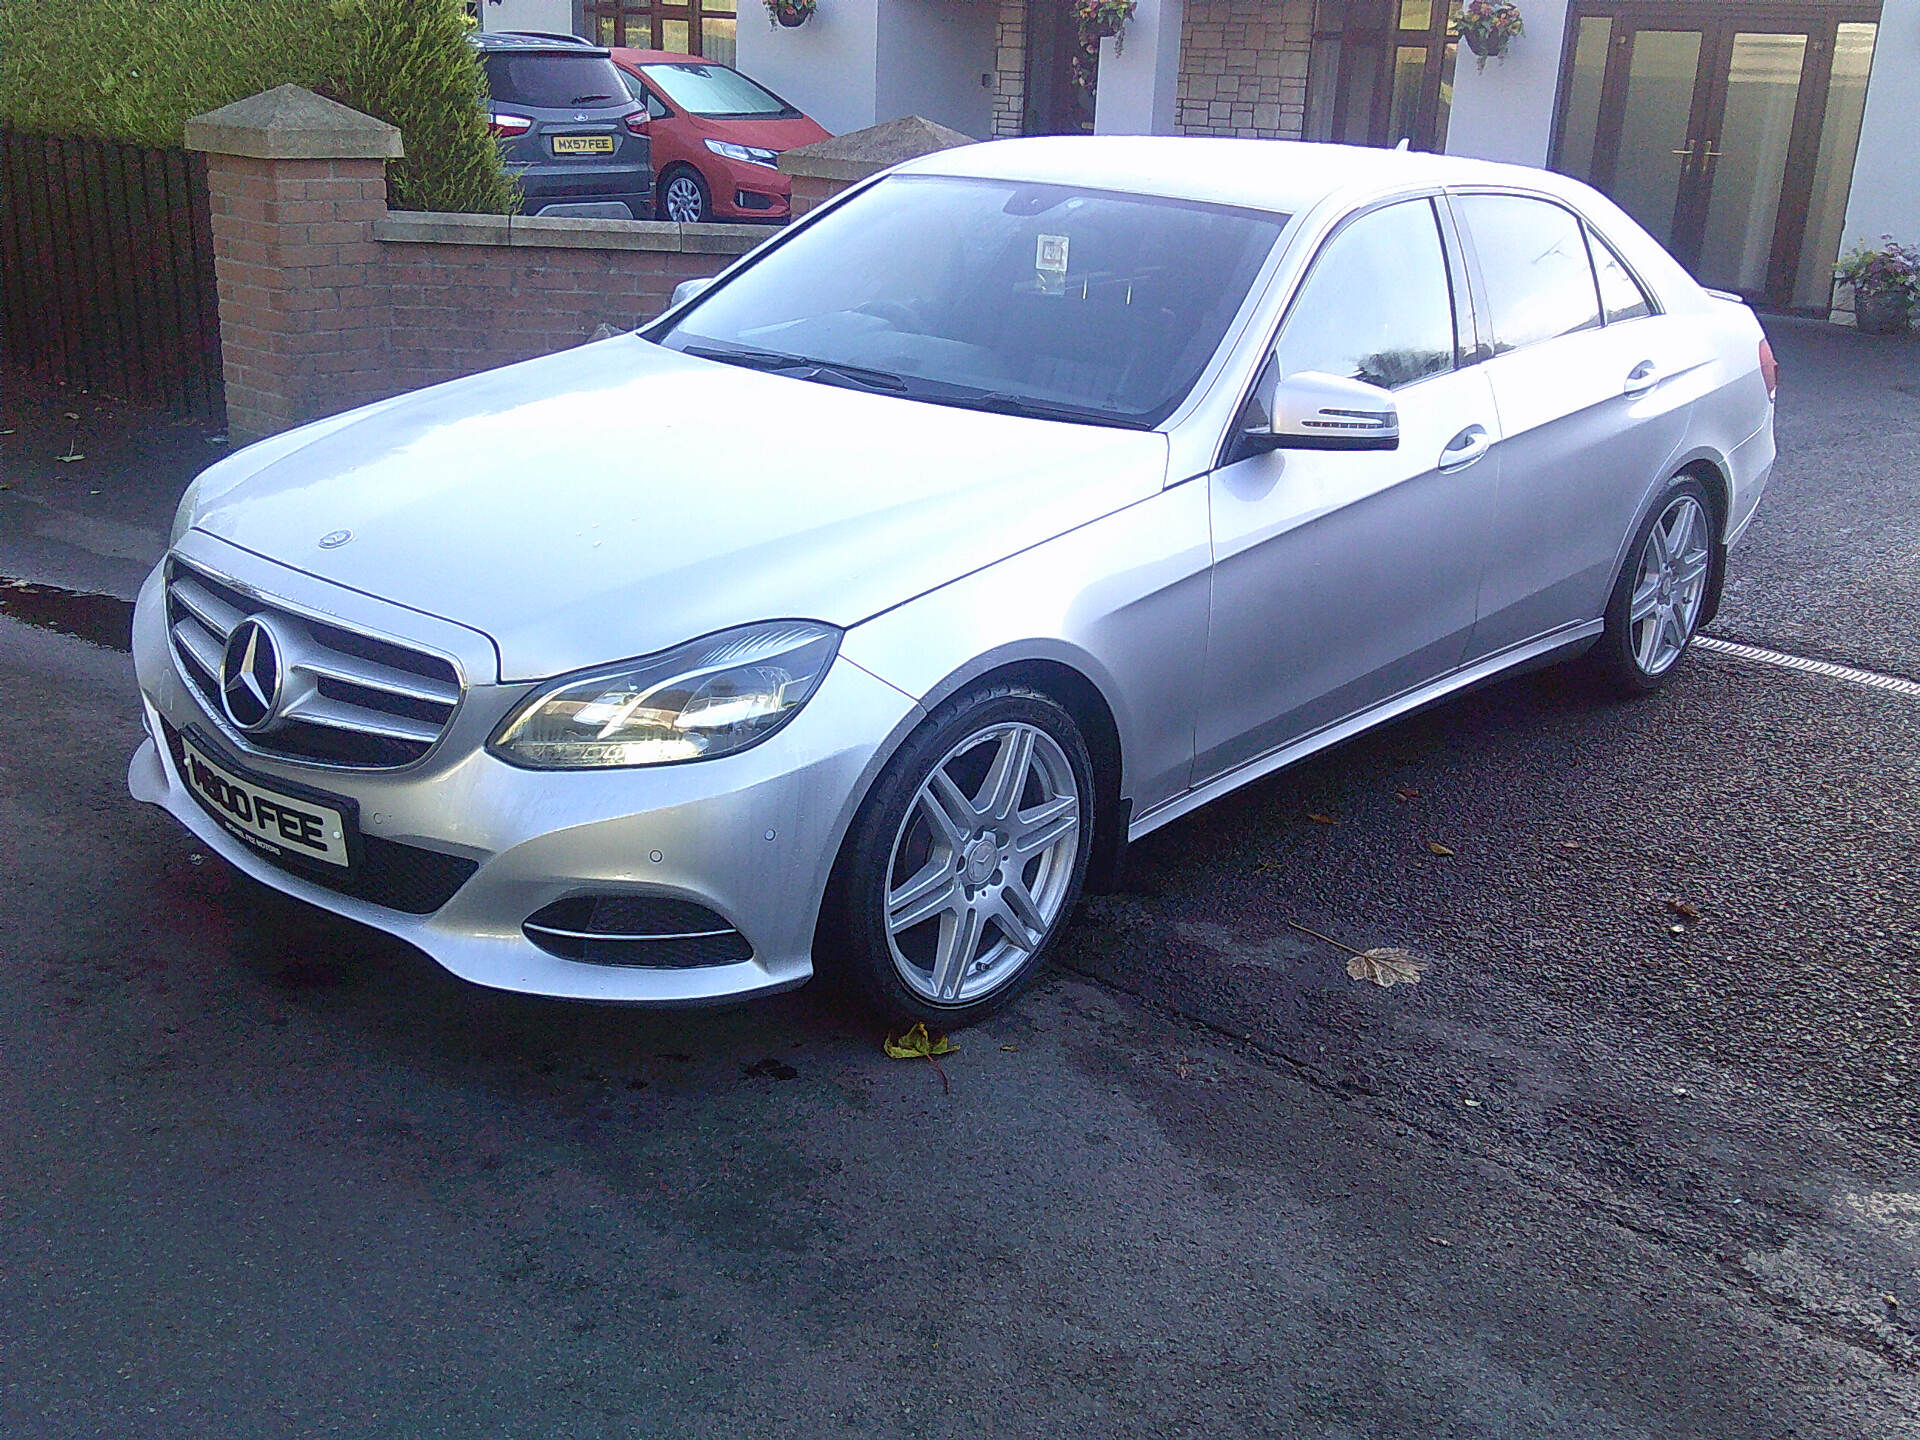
(867, 152)
(290, 122)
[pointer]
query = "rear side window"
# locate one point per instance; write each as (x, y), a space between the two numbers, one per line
(1376, 305)
(1533, 259)
(554, 81)
(1620, 294)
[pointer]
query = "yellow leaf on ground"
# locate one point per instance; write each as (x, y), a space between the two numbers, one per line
(1319, 819)
(916, 1044)
(1386, 966)
(1437, 848)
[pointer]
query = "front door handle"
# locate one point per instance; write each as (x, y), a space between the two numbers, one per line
(1465, 448)
(1642, 378)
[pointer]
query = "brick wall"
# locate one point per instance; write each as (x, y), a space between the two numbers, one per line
(468, 292)
(1010, 69)
(1243, 67)
(328, 300)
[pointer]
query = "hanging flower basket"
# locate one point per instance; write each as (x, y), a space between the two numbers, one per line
(790, 13)
(1488, 27)
(1104, 20)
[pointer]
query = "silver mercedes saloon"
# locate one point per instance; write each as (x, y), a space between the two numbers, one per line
(860, 610)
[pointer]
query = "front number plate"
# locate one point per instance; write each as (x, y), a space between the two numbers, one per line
(583, 144)
(264, 818)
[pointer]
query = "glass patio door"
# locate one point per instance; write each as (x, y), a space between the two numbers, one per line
(1723, 131)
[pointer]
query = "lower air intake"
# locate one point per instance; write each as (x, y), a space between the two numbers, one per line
(653, 932)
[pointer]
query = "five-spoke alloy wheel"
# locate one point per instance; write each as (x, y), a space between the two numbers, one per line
(1661, 597)
(967, 857)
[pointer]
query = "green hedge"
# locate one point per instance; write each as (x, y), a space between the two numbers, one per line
(137, 70)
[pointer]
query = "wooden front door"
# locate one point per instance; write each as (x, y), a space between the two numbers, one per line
(1728, 132)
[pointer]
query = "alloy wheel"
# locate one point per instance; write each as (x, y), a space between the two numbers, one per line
(684, 200)
(982, 863)
(1670, 586)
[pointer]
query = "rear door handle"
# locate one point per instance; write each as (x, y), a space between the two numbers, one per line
(1465, 448)
(1642, 378)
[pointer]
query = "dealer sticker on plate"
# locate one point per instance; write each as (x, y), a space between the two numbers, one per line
(265, 818)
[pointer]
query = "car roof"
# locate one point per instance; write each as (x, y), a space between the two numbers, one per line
(1289, 176)
(527, 40)
(628, 56)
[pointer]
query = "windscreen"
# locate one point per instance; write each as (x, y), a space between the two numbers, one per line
(1039, 299)
(716, 91)
(554, 82)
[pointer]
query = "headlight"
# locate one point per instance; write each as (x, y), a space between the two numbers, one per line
(709, 698)
(183, 514)
(746, 154)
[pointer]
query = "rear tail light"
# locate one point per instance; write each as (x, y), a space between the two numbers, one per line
(1769, 368)
(636, 123)
(508, 126)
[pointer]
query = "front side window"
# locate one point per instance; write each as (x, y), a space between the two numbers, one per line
(1377, 305)
(1035, 299)
(717, 92)
(1533, 260)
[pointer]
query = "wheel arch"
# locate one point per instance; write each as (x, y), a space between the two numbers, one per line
(1710, 469)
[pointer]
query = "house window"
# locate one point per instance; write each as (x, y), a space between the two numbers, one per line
(688, 27)
(1381, 71)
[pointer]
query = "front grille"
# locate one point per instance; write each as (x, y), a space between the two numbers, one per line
(352, 700)
(653, 932)
(384, 872)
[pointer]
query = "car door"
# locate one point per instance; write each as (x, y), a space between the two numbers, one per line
(1589, 415)
(1342, 579)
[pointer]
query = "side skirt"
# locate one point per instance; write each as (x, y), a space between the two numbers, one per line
(1532, 653)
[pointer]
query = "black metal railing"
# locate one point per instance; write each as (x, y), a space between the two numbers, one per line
(106, 270)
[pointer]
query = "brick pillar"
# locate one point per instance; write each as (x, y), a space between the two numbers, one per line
(297, 183)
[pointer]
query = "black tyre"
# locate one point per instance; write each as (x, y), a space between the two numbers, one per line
(964, 863)
(1661, 595)
(683, 196)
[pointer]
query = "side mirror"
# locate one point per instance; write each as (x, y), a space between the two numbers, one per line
(1316, 411)
(688, 289)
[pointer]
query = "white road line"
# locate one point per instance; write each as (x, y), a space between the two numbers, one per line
(1872, 679)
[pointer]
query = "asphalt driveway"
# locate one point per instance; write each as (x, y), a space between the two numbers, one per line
(1634, 1158)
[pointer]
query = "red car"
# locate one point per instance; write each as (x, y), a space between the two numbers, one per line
(716, 137)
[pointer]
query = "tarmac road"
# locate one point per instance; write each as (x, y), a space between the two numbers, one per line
(264, 1173)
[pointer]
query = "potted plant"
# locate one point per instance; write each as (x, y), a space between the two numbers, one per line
(1100, 19)
(790, 13)
(1488, 27)
(1886, 285)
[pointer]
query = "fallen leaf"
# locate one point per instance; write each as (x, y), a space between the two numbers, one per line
(1676, 929)
(916, 1044)
(1009, 1047)
(1319, 819)
(1260, 867)
(1683, 910)
(1569, 844)
(69, 459)
(1386, 966)
(70, 415)
(1443, 1244)
(1437, 848)
(7, 431)
(1471, 1103)
(1407, 792)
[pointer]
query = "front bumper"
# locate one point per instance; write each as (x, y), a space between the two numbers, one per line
(751, 836)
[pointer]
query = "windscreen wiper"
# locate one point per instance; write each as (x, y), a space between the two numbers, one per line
(776, 361)
(1001, 402)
